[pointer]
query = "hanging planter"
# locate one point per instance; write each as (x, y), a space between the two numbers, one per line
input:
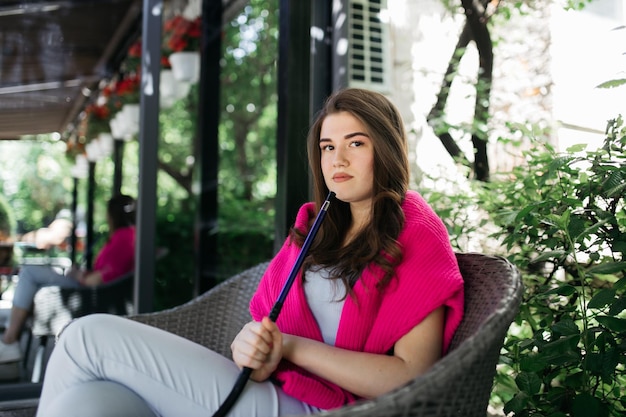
(130, 117)
(182, 42)
(118, 127)
(171, 89)
(185, 66)
(106, 143)
(167, 88)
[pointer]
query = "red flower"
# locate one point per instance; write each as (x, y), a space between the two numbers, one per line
(125, 90)
(182, 34)
(96, 120)
(135, 49)
(98, 112)
(128, 85)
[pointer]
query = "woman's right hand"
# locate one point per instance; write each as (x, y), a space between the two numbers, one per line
(258, 346)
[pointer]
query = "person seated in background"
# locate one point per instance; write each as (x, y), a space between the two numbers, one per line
(116, 258)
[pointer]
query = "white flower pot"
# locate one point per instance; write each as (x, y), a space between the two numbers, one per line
(167, 89)
(106, 143)
(186, 66)
(130, 115)
(118, 127)
(171, 89)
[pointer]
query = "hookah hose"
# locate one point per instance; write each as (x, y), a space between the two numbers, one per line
(244, 375)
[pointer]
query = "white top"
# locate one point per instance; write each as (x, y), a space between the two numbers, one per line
(325, 299)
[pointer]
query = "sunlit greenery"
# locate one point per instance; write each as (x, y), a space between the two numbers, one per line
(37, 184)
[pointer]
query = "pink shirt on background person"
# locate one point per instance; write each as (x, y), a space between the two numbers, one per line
(117, 256)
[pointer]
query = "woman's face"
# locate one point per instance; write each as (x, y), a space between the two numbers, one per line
(347, 158)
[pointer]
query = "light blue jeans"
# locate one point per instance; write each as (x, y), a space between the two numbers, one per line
(34, 277)
(148, 372)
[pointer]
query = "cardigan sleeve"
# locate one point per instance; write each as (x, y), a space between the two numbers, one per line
(427, 278)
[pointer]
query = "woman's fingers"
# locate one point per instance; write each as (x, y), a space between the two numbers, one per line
(252, 345)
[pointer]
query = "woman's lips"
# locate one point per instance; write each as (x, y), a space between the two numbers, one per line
(341, 177)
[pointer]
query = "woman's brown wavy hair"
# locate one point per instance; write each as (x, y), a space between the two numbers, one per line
(376, 243)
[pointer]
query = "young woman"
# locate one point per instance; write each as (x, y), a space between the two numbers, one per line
(376, 303)
(116, 258)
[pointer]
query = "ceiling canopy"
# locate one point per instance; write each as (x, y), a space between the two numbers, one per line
(54, 53)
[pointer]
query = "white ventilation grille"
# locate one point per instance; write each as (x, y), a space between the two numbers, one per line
(368, 58)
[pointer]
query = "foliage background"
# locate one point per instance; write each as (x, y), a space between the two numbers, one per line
(560, 217)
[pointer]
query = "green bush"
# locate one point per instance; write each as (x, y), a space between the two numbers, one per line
(561, 219)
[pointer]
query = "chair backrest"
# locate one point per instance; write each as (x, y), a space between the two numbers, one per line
(56, 306)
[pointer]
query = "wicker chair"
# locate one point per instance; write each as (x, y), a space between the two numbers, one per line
(458, 385)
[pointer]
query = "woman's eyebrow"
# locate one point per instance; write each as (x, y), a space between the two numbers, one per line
(351, 135)
(348, 136)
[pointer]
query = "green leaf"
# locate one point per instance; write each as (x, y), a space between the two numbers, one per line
(563, 350)
(618, 306)
(576, 148)
(565, 289)
(566, 327)
(586, 405)
(517, 404)
(612, 83)
(616, 191)
(591, 229)
(528, 382)
(523, 212)
(532, 363)
(602, 364)
(612, 323)
(549, 255)
(604, 297)
(615, 178)
(608, 268)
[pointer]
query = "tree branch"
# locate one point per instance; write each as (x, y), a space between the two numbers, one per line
(184, 180)
(475, 15)
(475, 28)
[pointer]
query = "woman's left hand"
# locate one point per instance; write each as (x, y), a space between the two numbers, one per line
(258, 346)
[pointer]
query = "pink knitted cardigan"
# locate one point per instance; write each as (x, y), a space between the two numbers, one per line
(427, 278)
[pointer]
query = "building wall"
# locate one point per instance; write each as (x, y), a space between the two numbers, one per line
(545, 72)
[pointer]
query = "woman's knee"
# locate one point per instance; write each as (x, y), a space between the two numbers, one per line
(83, 327)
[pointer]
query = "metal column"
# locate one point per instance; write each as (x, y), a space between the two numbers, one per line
(207, 148)
(148, 146)
(293, 113)
(89, 239)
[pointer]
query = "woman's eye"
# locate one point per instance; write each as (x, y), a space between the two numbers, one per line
(356, 143)
(327, 147)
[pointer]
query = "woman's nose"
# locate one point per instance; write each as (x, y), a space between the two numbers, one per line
(340, 159)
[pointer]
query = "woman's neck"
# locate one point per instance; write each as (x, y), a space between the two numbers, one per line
(361, 216)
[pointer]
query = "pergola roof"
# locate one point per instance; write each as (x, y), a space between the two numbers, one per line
(53, 53)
